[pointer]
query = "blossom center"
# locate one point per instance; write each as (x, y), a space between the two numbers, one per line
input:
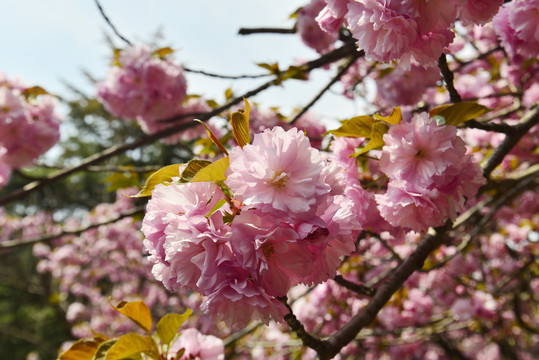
(279, 179)
(421, 153)
(268, 250)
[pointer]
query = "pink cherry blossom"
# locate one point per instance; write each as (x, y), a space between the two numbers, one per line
(143, 87)
(516, 26)
(478, 11)
(309, 30)
(197, 346)
(279, 171)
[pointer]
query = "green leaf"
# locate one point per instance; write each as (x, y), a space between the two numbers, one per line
(217, 206)
(295, 72)
(359, 126)
(161, 176)
(170, 324)
(83, 349)
(393, 119)
(212, 137)
(129, 346)
(272, 68)
(138, 312)
(376, 138)
(240, 124)
(213, 172)
(192, 168)
(103, 349)
(456, 114)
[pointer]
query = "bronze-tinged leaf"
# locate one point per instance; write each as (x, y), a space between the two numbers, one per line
(393, 119)
(359, 126)
(33, 92)
(138, 312)
(456, 114)
(213, 172)
(103, 349)
(240, 125)
(161, 176)
(212, 136)
(169, 325)
(83, 349)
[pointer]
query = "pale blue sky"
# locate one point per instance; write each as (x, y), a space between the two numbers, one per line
(45, 42)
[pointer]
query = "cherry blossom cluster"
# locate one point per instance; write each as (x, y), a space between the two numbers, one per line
(286, 223)
(29, 125)
(413, 32)
(148, 87)
(430, 175)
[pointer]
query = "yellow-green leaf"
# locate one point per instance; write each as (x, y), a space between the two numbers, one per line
(121, 180)
(163, 52)
(161, 176)
(33, 92)
(394, 118)
(229, 94)
(170, 324)
(129, 346)
(240, 124)
(359, 126)
(213, 137)
(376, 138)
(192, 168)
(138, 312)
(456, 114)
(83, 349)
(103, 349)
(213, 172)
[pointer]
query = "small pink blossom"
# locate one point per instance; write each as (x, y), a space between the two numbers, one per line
(197, 346)
(309, 30)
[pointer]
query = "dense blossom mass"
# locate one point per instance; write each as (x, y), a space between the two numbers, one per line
(144, 86)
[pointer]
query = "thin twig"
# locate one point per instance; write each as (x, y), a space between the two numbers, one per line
(10, 244)
(336, 78)
(250, 31)
(111, 24)
(357, 288)
(219, 76)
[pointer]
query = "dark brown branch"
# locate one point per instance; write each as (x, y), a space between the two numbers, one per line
(448, 79)
(22, 242)
(526, 123)
(250, 31)
(336, 78)
(501, 128)
(357, 288)
(299, 329)
(111, 24)
(394, 282)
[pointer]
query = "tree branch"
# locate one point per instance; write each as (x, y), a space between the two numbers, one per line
(250, 31)
(111, 24)
(10, 244)
(336, 78)
(519, 130)
(414, 262)
(448, 79)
